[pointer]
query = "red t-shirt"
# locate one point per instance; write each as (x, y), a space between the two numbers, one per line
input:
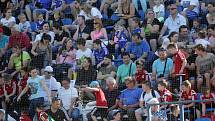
(210, 97)
(178, 59)
(191, 95)
(25, 118)
(100, 98)
(19, 38)
(1, 90)
(9, 87)
(23, 82)
(165, 95)
(140, 76)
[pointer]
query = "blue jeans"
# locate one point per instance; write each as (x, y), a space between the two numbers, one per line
(75, 114)
(33, 104)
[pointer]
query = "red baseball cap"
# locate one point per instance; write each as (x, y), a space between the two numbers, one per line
(1, 30)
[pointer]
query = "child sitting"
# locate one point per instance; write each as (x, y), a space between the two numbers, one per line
(165, 94)
(101, 102)
(188, 94)
(207, 95)
(202, 39)
(24, 25)
(159, 10)
(140, 75)
(121, 35)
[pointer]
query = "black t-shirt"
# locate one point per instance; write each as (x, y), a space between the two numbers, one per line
(150, 35)
(192, 59)
(59, 38)
(111, 96)
(86, 30)
(84, 77)
(57, 116)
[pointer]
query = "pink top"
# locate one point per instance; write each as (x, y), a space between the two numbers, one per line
(97, 35)
(70, 59)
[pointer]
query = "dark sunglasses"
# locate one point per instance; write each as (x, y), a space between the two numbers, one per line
(173, 8)
(95, 23)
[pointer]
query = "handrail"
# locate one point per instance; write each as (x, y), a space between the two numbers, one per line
(180, 105)
(180, 102)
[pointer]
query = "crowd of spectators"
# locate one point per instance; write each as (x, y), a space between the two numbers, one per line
(123, 54)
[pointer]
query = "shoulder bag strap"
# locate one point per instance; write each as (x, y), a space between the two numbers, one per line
(165, 66)
(130, 69)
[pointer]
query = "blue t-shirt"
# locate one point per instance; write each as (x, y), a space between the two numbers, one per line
(158, 66)
(36, 88)
(4, 41)
(130, 96)
(138, 49)
(99, 55)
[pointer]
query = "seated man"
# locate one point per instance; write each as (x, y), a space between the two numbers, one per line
(156, 113)
(69, 95)
(148, 94)
(129, 98)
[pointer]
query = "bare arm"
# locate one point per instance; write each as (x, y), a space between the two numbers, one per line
(34, 48)
(89, 89)
(75, 36)
(163, 30)
(105, 33)
(183, 65)
(24, 91)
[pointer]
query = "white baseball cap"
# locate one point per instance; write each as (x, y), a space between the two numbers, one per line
(48, 69)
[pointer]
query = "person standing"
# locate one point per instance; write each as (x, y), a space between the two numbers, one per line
(38, 89)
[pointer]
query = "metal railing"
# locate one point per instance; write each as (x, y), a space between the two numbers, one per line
(181, 106)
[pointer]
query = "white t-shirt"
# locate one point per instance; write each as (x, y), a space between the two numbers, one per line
(204, 42)
(86, 53)
(25, 26)
(94, 12)
(39, 36)
(187, 3)
(66, 96)
(6, 22)
(149, 96)
(174, 24)
(51, 84)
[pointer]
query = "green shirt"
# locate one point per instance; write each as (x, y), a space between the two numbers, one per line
(123, 71)
(17, 61)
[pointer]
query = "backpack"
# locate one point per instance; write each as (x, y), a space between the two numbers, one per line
(153, 94)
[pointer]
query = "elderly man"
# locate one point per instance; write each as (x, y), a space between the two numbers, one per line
(129, 98)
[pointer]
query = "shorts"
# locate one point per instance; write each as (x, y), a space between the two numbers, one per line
(98, 111)
(141, 111)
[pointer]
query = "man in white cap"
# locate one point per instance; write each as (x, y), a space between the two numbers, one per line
(50, 81)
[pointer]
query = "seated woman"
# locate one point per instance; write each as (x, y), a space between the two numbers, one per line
(126, 9)
(99, 32)
(67, 54)
(151, 29)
